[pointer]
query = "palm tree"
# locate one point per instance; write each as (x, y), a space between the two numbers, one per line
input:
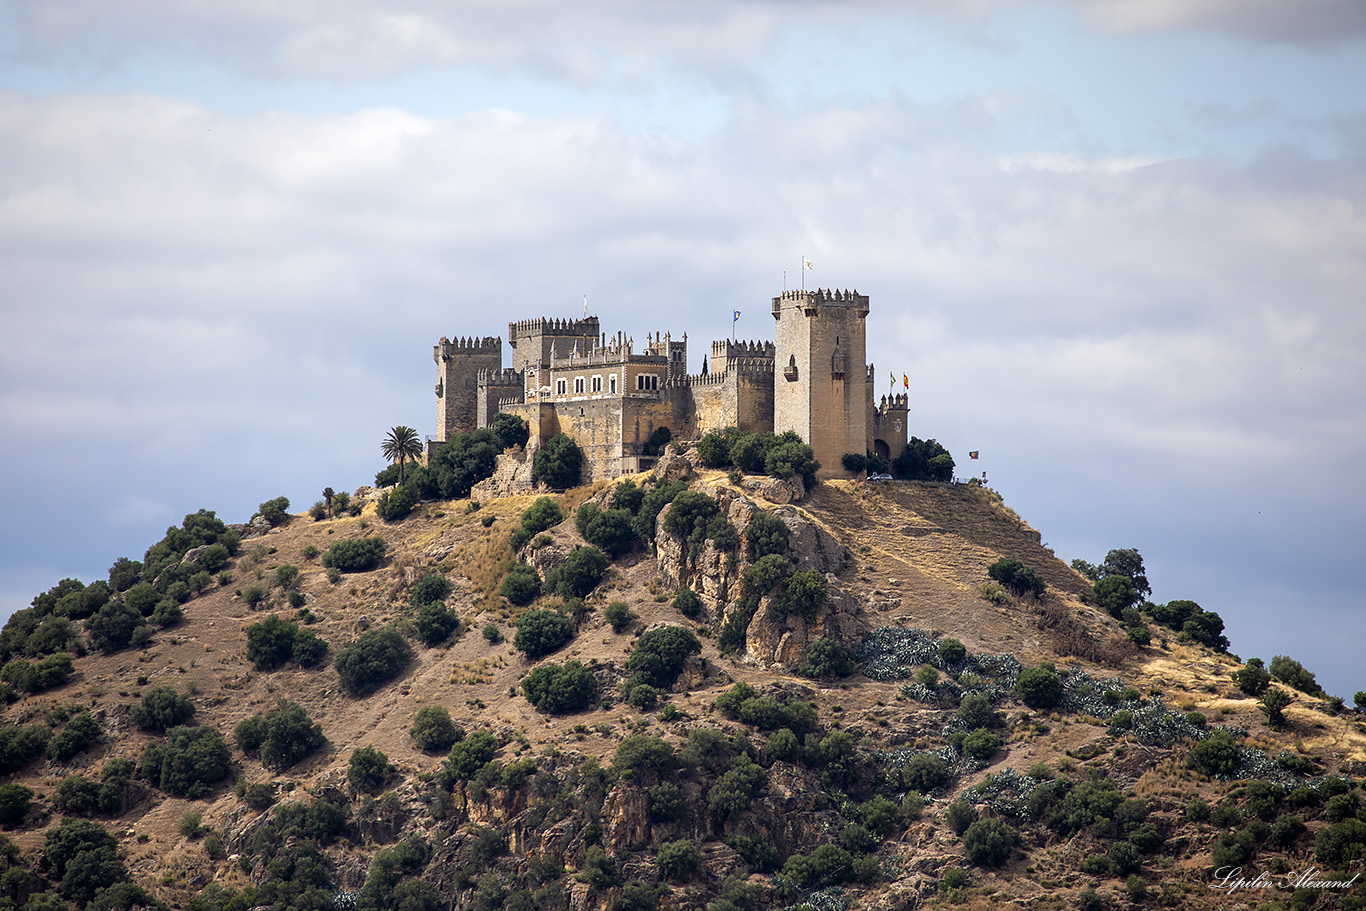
(401, 444)
(328, 494)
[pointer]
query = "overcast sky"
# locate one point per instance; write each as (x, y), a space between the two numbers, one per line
(1118, 246)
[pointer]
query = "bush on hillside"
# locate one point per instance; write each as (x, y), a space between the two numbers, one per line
(368, 769)
(618, 615)
(188, 763)
(579, 574)
(521, 585)
(470, 755)
(161, 709)
(434, 623)
(82, 858)
(1292, 673)
(398, 503)
(766, 534)
(78, 735)
(1252, 679)
(433, 730)
(988, 842)
(375, 658)
(430, 588)
(827, 657)
(355, 555)
(558, 463)
(923, 460)
(660, 656)
(20, 745)
(112, 627)
(511, 430)
(559, 688)
(1014, 575)
(275, 512)
(1039, 687)
(282, 737)
(540, 632)
(612, 530)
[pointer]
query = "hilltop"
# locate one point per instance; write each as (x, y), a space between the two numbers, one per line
(881, 735)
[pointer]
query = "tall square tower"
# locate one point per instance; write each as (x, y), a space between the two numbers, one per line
(820, 383)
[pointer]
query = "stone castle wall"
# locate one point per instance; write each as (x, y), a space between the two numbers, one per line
(458, 366)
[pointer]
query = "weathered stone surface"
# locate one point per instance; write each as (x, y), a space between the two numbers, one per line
(673, 466)
(511, 475)
(812, 546)
(777, 490)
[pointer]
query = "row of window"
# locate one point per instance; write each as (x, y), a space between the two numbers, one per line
(645, 382)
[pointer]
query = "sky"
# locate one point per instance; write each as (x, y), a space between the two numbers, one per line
(1117, 246)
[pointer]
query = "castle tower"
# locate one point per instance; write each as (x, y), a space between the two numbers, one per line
(458, 365)
(820, 379)
(536, 341)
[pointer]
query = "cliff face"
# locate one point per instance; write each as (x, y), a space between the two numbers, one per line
(756, 796)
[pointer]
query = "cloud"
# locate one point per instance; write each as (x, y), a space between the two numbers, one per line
(1310, 22)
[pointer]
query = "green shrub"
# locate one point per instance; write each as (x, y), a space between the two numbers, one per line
(766, 534)
(923, 460)
(309, 649)
(959, 816)
(522, 584)
(557, 689)
(660, 656)
(355, 555)
(1292, 673)
(981, 744)
(642, 696)
(275, 512)
(677, 860)
(612, 531)
(191, 825)
(435, 623)
(258, 795)
(804, 593)
(15, 801)
(368, 769)
(988, 842)
(1253, 678)
(470, 755)
(20, 745)
(375, 658)
(80, 732)
(687, 603)
(511, 430)
(283, 736)
(161, 709)
(188, 763)
(618, 615)
(397, 503)
(112, 626)
(82, 858)
(1216, 755)
(951, 651)
(580, 573)
(270, 642)
(430, 588)
(540, 632)
(541, 515)
(1039, 687)
(433, 730)
(854, 462)
(493, 634)
(76, 795)
(1020, 579)
(827, 657)
(643, 753)
(558, 463)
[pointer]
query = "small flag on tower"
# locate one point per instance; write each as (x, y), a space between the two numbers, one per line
(736, 317)
(972, 454)
(907, 380)
(806, 263)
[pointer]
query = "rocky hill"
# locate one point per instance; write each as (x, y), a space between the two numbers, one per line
(838, 708)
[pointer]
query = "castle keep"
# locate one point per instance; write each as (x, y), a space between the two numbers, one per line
(567, 376)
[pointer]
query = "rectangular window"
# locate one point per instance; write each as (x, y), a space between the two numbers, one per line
(612, 382)
(559, 387)
(578, 385)
(597, 384)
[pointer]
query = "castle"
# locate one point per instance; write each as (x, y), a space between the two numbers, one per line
(569, 377)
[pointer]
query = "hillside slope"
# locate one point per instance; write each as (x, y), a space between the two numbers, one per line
(843, 791)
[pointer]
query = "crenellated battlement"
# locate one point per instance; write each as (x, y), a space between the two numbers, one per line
(587, 326)
(897, 402)
(448, 348)
(822, 297)
(504, 376)
(726, 348)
